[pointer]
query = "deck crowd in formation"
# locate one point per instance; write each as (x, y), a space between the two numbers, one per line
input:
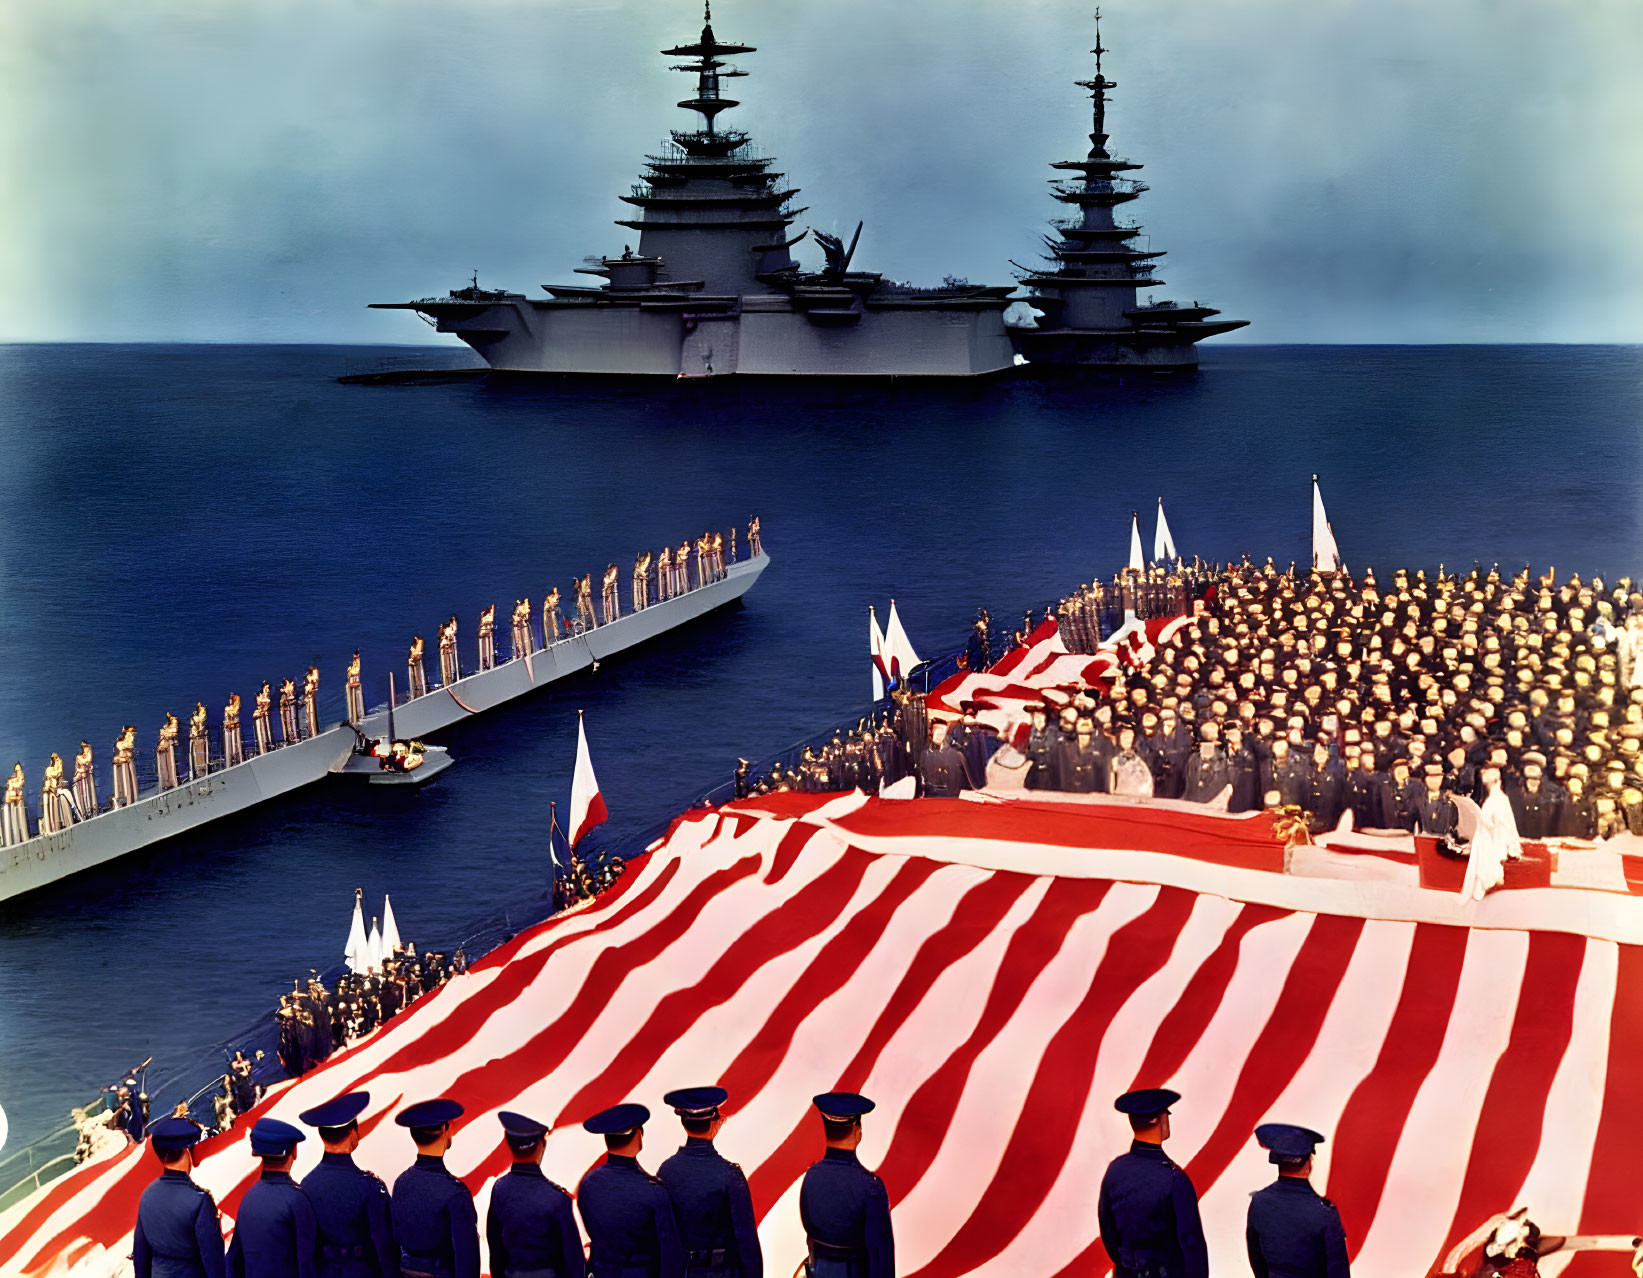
(1324, 694)
(291, 715)
(314, 1022)
(695, 1215)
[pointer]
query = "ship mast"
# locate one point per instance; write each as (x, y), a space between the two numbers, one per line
(710, 68)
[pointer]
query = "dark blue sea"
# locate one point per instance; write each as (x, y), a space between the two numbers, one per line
(177, 523)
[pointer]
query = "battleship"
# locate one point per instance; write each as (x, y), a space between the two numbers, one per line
(713, 289)
(1086, 293)
(225, 788)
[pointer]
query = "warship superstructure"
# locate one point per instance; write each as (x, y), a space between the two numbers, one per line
(712, 287)
(1086, 292)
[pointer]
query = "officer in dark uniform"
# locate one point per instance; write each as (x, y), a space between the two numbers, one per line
(844, 1207)
(1436, 809)
(626, 1210)
(351, 1206)
(941, 769)
(434, 1218)
(177, 1234)
(1148, 1208)
(274, 1232)
(1293, 1232)
(711, 1203)
(530, 1229)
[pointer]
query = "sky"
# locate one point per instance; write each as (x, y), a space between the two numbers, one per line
(1331, 170)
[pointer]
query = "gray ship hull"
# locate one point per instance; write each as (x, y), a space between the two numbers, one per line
(763, 336)
(160, 814)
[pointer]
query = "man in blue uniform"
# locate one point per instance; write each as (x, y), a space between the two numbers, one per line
(1293, 1232)
(434, 1218)
(711, 1203)
(351, 1206)
(274, 1233)
(844, 1207)
(177, 1234)
(1148, 1208)
(626, 1209)
(530, 1228)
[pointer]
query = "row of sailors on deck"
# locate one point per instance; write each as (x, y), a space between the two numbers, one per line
(66, 801)
(696, 1214)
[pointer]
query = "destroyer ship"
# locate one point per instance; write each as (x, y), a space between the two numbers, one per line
(712, 287)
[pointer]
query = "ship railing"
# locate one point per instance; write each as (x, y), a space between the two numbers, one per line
(333, 708)
(44, 1159)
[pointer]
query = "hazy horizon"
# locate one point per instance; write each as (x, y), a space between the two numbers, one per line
(1343, 174)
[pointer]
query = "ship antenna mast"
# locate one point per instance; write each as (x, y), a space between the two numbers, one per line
(1098, 96)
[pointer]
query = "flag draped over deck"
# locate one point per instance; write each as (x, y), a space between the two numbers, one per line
(993, 974)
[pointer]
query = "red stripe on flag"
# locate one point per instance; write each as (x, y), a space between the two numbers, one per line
(1048, 1121)
(1502, 1154)
(1372, 1122)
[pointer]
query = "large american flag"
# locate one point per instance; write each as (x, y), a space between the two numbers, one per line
(994, 972)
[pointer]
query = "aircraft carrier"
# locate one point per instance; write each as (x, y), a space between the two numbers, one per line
(161, 813)
(712, 288)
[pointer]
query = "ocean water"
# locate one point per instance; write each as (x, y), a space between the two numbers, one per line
(177, 523)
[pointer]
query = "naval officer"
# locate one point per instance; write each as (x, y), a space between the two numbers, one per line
(274, 1232)
(352, 1210)
(626, 1209)
(530, 1227)
(711, 1203)
(434, 1217)
(1294, 1231)
(1148, 1208)
(844, 1207)
(177, 1234)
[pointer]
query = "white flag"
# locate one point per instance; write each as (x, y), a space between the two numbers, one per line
(390, 929)
(1163, 545)
(587, 805)
(355, 953)
(875, 649)
(1326, 555)
(898, 648)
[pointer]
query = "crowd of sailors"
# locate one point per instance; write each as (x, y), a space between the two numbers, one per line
(315, 1021)
(1321, 693)
(293, 714)
(585, 878)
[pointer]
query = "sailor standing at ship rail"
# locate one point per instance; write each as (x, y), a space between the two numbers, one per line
(310, 700)
(487, 638)
(125, 766)
(274, 1231)
(233, 741)
(355, 690)
(1148, 1209)
(259, 719)
(712, 1206)
(85, 782)
(16, 815)
(177, 1234)
(628, 1214)
(165, 753)
(449, 667)
(550, 616)
(434, 1217)
(199, 744)
(352, 1210)
(844, 1207)
(531, 1228)
(416, 677)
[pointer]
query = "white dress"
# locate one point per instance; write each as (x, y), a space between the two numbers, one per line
(1494, 842)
